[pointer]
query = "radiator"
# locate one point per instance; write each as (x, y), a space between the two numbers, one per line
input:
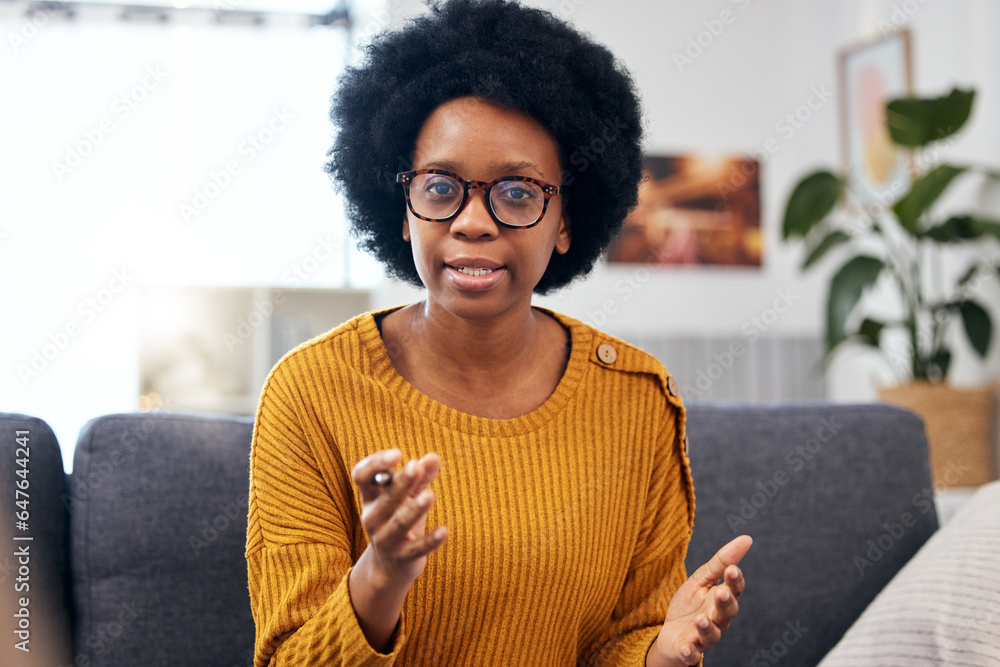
(765, 370)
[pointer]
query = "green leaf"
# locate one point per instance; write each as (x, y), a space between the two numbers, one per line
(831, 240)
(920, 121)
(962, 228)
(954, 230)
(924, 192)
(845, 290)
(871, 332)
(811, 201)
(978, 326)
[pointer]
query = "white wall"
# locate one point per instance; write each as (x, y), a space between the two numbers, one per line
(763, 65)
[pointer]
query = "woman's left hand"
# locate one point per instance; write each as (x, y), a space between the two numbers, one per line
(702, 608)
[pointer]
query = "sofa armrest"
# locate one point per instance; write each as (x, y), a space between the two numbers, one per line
(34, 560)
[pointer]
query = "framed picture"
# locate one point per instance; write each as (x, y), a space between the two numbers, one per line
(871, 74)
(694, 209)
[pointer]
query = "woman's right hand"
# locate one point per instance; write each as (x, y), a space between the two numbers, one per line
(394, 516)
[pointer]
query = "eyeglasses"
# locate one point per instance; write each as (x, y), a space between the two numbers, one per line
(436, 195)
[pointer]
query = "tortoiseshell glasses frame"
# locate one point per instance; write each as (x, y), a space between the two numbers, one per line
(544, 190)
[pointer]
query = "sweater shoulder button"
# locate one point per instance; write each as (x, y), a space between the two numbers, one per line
(606, 353)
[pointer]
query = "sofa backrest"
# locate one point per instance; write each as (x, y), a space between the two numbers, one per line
(158, 528)
(837, 499)
(34, 563)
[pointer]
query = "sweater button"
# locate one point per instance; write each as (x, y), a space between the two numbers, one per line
(606, 353)
(672, 385)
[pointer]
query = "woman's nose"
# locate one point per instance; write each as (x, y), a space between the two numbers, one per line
(474, 220)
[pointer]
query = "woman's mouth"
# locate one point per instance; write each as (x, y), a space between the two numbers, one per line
(473, 272)
(475, 279)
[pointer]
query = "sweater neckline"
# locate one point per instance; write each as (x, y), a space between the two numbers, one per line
(399, 387)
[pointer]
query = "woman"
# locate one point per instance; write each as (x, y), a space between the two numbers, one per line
(471, 479)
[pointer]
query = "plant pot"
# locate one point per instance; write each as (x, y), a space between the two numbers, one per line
(959, 425)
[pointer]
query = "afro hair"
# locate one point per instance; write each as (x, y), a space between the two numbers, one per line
(519, 58)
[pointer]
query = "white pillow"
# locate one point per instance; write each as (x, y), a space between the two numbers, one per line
(943, 607)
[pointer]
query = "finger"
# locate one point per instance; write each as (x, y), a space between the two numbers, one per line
(734, 579)
(708, 632)
(690, 653)
(711, 572)
(364, 472)
(390, 498)
(407, 484)
(395, 531)
(725, 607)
(424, 545)
(426, 471)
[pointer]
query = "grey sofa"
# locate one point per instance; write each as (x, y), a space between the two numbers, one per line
(137, 557)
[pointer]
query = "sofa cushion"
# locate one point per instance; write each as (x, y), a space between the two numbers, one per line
(837, 499)
(944, 606)
(34, 562)
(158, 528)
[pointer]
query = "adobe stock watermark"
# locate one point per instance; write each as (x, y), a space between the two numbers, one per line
(752, 329)
(109, 632)
(325, 249)
(698, 43)
(882, 199)
(625, 288)
(29, 28)
(229, 514)
(795, 462)
(817, 97)
(87, 312)
(985, 269)
(773, 654)
(246, 326)
(586, 154)
(121, 108)
(876, 548)
(220, 179)
(379, 21)
(101, 471)
(899, 17)
(986, 619)
(567, 8)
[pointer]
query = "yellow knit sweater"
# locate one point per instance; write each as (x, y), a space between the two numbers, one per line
(568, 526)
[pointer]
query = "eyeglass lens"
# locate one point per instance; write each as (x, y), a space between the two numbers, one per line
(439, 196)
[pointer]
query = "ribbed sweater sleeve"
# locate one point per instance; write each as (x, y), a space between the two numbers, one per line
(657, 567)
(299, 549)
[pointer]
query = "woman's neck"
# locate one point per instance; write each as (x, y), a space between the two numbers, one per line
(520, 357)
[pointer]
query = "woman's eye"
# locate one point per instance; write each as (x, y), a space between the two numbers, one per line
(518, 193)
(440, 188)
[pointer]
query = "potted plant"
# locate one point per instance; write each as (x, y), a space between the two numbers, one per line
(894, 245)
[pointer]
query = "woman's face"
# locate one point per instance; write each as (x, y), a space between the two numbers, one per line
(481, 141)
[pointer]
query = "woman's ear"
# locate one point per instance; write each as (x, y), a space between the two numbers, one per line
(564, 235)
(406, 228)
